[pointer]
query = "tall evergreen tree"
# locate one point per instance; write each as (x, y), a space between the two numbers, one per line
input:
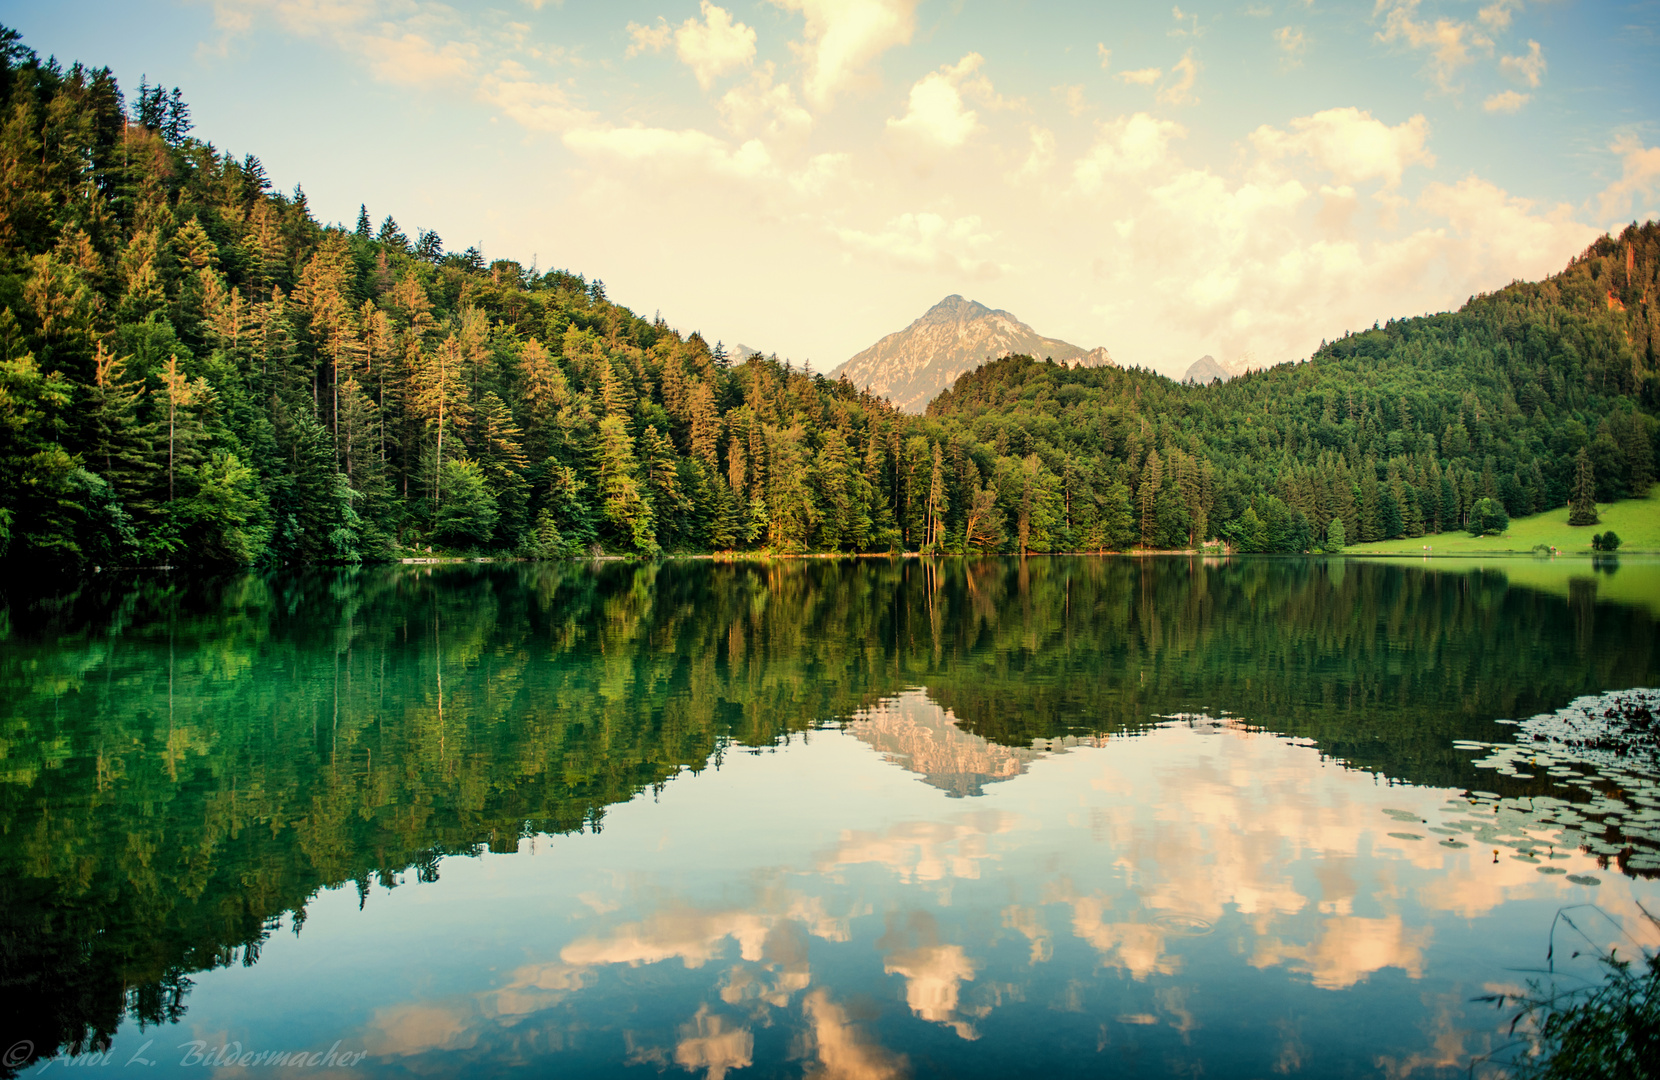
(1582, 504)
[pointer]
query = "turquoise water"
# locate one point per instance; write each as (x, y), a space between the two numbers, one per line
(860, 818)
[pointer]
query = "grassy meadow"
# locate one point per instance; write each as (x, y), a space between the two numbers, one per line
(1637, 521)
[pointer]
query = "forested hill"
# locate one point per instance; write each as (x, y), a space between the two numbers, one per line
(193, 369)
(1398, 430)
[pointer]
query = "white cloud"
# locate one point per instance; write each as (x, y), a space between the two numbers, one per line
(714, 46)
(842, 36)
(935, 112)
(647, 39)
(1504, 236)
(1178, 91)
(1187, 25)
(1072, 96)
(1038, 158)
(1141, 76)
(673, 150)
(1641, 173)
(1507, 102)
(1527, 68)
(1128, 146)
(1104, 53)
(764, 106)
(537, 106)
(1351, 144)
(1448, 41)
(412, 60)
(1497, 14)
(928, 241)
(1292, 42)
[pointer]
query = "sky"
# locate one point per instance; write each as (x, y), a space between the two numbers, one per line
(805, 176)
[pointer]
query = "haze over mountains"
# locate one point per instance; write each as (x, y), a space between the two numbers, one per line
(911, 367)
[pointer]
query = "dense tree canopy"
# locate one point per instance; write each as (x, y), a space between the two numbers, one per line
(1524, 397)
(194, 370)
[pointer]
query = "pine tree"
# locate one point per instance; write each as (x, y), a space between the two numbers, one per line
(983, 530)
(1152, 477)
(939, 503)
(120, 446)
(182, 395)
(623, 501)
(1582, 504)
(705, 425)
(670, 503)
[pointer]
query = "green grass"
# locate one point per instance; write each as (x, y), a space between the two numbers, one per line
(1637, 521)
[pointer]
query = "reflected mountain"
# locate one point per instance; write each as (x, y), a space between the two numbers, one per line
(912, 732)
(185, 763)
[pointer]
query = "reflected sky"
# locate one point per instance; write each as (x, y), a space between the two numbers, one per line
(902, 898)
(859, 817)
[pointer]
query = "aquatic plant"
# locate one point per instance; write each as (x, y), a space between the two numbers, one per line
(1609, 1028)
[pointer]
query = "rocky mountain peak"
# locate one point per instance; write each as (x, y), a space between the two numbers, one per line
(912, 366)
(953, 309)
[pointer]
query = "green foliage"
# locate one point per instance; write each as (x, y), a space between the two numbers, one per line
(467, 509)
(1608, 541)
(1487, 518)
(164, 313)
(1582, 505)
(1335, 541)
(225, 519)
(1609, 1028)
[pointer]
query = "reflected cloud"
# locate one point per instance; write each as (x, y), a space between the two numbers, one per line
(1029, 924)
(933, 977)
(1135, 947)
(1349, 949)
(695, 936)
(924, 850)
(842, 1050)
(1163, 852)
(403, 1030)
(709, 1044)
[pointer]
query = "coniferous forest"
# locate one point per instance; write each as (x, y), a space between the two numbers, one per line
(194, 370)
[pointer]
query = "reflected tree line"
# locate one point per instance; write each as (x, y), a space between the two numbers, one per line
(188, 762)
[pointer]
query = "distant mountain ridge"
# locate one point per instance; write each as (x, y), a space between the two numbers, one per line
(912, 366)
(1207, 368)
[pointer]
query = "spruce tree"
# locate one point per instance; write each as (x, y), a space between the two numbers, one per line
(1152, 476)
(1335, 540)
(1582, 504)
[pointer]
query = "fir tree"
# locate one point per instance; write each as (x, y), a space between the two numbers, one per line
(1582, 504)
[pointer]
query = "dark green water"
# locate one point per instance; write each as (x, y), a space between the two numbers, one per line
(835, 818)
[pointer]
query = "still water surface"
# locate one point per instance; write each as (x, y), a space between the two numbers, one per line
(826, 818)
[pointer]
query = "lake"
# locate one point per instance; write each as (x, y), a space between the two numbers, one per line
(856, 818)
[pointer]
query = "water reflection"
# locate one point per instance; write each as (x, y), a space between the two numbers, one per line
(186, 767)
(1235, 931)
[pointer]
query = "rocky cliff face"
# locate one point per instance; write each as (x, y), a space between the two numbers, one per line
(914, 365)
